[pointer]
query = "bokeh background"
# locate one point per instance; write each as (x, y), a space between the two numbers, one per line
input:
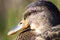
(11, 12)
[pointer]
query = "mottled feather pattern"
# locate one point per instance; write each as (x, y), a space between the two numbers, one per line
(47, 19)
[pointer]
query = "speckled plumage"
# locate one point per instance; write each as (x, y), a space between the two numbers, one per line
(43, 16)
(53, 34)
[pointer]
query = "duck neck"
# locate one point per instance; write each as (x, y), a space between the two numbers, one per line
(40, 29)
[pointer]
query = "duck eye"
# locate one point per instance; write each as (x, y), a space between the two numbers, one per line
(24, 18)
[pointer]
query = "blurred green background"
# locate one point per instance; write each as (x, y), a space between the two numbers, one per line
(11, 12)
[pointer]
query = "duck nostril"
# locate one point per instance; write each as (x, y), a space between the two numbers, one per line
(20, 22)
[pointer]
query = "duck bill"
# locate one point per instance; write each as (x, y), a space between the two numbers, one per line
(23, 25)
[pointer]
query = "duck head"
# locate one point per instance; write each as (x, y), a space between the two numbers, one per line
(40, 15)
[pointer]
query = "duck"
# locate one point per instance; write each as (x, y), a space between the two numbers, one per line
(41, 22)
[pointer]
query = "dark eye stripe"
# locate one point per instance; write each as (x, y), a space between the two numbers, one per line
(28, 13)
(32, 11)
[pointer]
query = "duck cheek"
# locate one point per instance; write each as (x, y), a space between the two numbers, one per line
(30, 20)
(33, 26)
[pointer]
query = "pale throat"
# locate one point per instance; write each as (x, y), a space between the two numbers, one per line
(39, 29)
